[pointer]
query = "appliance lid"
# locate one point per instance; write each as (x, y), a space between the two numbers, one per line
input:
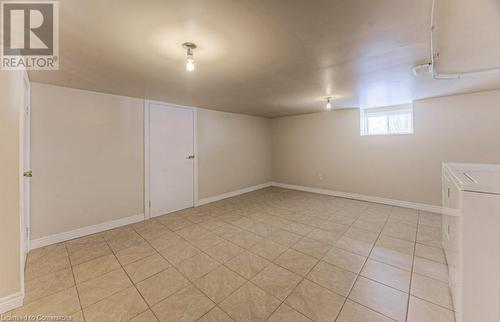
(476, 177)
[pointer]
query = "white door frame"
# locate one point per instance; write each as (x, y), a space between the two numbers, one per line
(147, 174)
(26, 154)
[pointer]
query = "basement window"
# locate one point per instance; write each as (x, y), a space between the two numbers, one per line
(391, 120)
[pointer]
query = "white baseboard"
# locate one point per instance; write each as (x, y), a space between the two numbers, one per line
(11, 302)
(84, 231)
(356, 196)
(80, 232)
(231, 194)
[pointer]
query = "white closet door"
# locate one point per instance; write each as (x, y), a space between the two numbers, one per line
(171, 158)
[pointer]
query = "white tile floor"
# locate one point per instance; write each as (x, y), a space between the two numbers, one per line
(273, 254)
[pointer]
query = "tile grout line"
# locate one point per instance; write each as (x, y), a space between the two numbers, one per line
(62, 269)
(361, 269)
(247, 280)
(201, 251)
(367, 258)
(435, 304)
(52, 272)
(175, 268)
(412, 267)
(130, 279)
(302, 277)
(305, 276)
(74, 281)
(429, 277)
(357, 274)
(220, 264)
(123, 268)
(171, 266)
(49, 294)
(293, 290)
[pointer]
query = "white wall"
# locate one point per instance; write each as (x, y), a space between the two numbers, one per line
(11, 103)
(234, 152)
(462, 128)
(87, 153)
(87, 158)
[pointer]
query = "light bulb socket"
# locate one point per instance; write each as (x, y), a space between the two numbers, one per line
(189, 46)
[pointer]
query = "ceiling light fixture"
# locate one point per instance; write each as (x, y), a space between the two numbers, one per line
(328, 103)
(190, 47)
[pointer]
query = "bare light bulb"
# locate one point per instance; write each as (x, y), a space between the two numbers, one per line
(190, 64)
(328, 104)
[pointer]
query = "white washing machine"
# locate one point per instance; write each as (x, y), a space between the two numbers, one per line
(471, 239)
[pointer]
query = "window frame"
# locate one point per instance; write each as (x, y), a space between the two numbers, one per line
(365, 113)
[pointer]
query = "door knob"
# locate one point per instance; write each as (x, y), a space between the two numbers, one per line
(28, 173)
(190, 157)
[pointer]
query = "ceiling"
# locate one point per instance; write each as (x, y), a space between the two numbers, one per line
(274, 57)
